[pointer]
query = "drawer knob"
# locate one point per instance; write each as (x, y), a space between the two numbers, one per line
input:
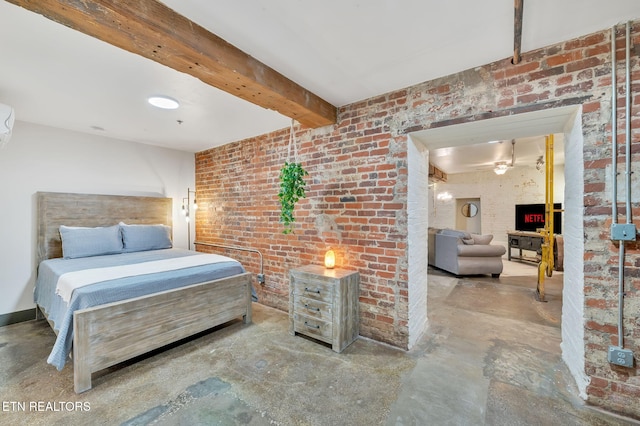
(307, 289)
(317, 327)
(311, 308)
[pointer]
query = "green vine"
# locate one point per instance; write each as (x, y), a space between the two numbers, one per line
(292, 186)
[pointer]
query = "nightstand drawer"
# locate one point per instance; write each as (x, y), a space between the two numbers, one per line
(311, 327)
(314, 289)
(313, 308)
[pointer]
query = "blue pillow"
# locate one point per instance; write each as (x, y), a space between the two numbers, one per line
(145, 237)
(85, 242)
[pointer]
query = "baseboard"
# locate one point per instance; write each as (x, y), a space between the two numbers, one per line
(16, 317)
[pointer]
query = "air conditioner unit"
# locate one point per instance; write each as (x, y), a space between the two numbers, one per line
(7, 118)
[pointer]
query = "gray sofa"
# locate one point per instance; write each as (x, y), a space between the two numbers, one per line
(462, 253)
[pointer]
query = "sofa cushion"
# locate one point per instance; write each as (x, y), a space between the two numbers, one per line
(480, 250)
(455, 233)
(482, 239)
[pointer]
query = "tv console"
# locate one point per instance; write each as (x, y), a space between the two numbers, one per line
(524, 240)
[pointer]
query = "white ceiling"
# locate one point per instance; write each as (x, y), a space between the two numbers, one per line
(483, 157)
(518, 140)
(341, 50)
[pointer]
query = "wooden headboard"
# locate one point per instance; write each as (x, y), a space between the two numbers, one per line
(56, 208)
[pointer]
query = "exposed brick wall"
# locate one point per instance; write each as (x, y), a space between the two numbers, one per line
(237, 188)
(365, 156)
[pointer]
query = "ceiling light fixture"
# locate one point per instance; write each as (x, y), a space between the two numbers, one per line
(500, 168)
(164, 102)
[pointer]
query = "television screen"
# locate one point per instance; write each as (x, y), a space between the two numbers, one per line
(530, 217)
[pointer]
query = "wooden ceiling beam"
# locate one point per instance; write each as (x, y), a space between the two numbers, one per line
(150, 29)
(435, 174)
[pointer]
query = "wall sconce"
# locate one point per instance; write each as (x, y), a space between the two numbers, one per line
(186, 212)
(7, 118)
(444, 196)
(187, 206)
(329, 259)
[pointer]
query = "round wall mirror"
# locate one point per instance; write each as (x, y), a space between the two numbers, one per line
(469, 210)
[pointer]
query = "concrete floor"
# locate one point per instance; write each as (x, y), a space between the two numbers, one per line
(491, 356)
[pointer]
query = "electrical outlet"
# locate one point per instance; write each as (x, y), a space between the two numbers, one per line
(261, 278)
(620, 356)
(623, 232)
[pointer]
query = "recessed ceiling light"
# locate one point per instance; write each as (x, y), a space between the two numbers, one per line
(163, 102)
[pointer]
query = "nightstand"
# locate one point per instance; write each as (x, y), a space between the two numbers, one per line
(323, 304)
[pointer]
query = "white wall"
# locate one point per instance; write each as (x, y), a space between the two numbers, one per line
(40, 158)
(498, 196)
(470, 224)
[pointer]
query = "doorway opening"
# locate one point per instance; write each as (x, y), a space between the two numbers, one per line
(565, 122)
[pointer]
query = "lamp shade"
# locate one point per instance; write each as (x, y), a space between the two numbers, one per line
(329, 259)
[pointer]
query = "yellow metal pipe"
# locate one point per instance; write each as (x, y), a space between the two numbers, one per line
(545, 267)
(549, 207)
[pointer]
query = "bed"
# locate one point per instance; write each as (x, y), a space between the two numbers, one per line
(107, 305)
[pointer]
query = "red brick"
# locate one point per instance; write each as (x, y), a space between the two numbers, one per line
(589, 40)
(597, 303)
(598, 50)
(384, 319)
(522, 68)
(599, 382)
(591, 107)
(585, 63)
(505, 103)
(607, 328)
(563, 58)
(597, 392)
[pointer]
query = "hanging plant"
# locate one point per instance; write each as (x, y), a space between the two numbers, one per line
(292, 185)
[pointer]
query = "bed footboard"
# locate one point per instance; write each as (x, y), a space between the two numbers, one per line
(108, 334)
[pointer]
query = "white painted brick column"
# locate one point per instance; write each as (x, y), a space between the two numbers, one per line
(418, 222)
(573, 233)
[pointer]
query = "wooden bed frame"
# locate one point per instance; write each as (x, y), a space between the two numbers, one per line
(108, 334)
